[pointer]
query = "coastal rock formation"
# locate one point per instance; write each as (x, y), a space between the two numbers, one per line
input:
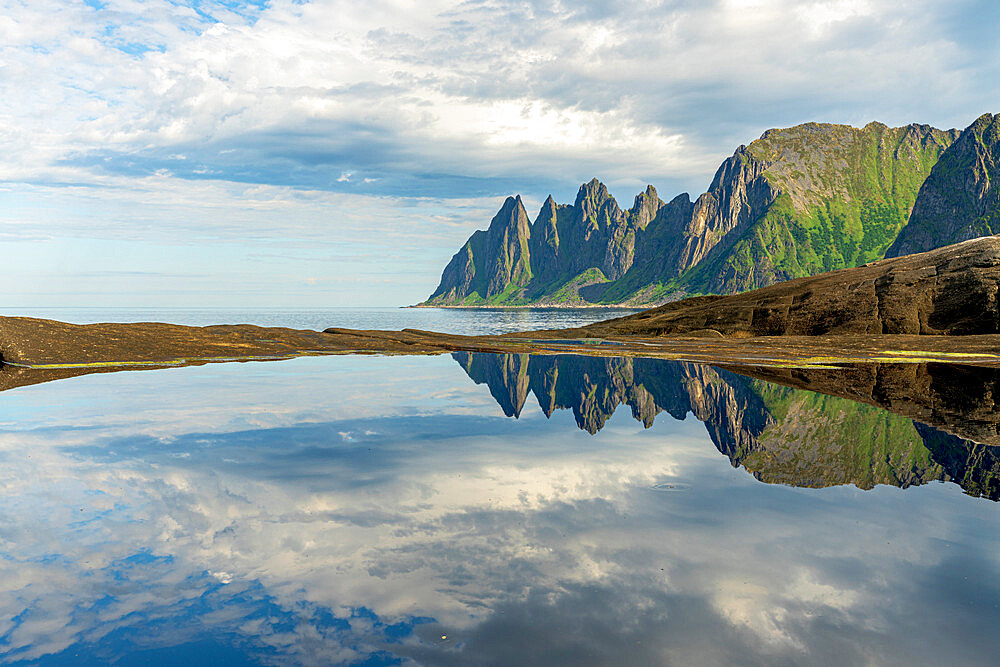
(565, 248)
(796, 202)
(961, 197)
(842, 195)
(951, 290)
(492, 261)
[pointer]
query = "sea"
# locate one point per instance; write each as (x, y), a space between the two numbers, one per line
(481, 509)
(444, 320)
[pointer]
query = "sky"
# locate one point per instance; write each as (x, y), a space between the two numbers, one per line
(288, 153)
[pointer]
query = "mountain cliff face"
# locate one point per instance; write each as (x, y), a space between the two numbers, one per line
(491, 263)
(565, 249)
(843, 194)
(796, 202)
(960, 199)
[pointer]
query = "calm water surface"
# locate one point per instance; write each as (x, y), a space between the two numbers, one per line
(373, 510)
(448, 320)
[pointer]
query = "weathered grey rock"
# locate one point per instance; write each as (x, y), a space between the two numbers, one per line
(620, 246)
(738, 195)
(562, 243)
(491, 261)
(545, 255)
(507, 248)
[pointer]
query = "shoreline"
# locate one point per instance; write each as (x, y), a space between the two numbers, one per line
(30, 343)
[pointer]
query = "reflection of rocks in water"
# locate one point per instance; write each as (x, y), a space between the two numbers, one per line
(781, 434)
(962, 400)
(973, 465)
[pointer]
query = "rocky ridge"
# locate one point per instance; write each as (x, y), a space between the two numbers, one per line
(947, 291)
(795, 202)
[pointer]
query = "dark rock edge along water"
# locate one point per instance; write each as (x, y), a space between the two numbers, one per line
(795, 202)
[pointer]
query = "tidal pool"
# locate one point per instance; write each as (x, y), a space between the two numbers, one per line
(373, 510)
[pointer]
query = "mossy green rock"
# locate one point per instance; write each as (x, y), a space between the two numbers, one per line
(843, 194)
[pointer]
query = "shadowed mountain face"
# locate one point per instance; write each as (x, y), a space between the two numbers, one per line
(961, 197)
(778, 433)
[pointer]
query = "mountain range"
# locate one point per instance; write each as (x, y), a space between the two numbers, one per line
(796, 202)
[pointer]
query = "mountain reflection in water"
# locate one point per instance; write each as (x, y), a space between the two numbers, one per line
(780, 434)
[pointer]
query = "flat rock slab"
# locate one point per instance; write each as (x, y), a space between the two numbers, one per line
(47, 344)
(948, 291)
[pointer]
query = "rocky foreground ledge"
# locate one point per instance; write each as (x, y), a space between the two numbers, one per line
(950, 291)
(936, 306)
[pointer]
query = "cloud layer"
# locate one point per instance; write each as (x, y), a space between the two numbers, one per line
(447, 100)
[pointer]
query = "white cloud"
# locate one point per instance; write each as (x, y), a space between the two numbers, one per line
(446, 513)
(456, 83)
(455, 99)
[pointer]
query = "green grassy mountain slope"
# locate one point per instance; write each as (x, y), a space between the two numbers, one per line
(843, 195)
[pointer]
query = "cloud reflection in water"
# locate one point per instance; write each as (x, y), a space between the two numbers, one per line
(332, 511)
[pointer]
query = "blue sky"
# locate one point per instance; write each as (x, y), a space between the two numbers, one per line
(222, 153)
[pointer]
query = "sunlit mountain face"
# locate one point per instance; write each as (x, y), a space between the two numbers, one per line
(389, 510)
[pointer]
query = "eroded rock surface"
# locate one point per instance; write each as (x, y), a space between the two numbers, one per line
(960, 199)
(950, 291)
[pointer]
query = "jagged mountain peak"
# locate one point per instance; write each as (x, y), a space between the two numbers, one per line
(511, 203)
(645, 208)
(985, 120)
(647, 194)
(684, 197)
(593, 192)
(511, 214)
